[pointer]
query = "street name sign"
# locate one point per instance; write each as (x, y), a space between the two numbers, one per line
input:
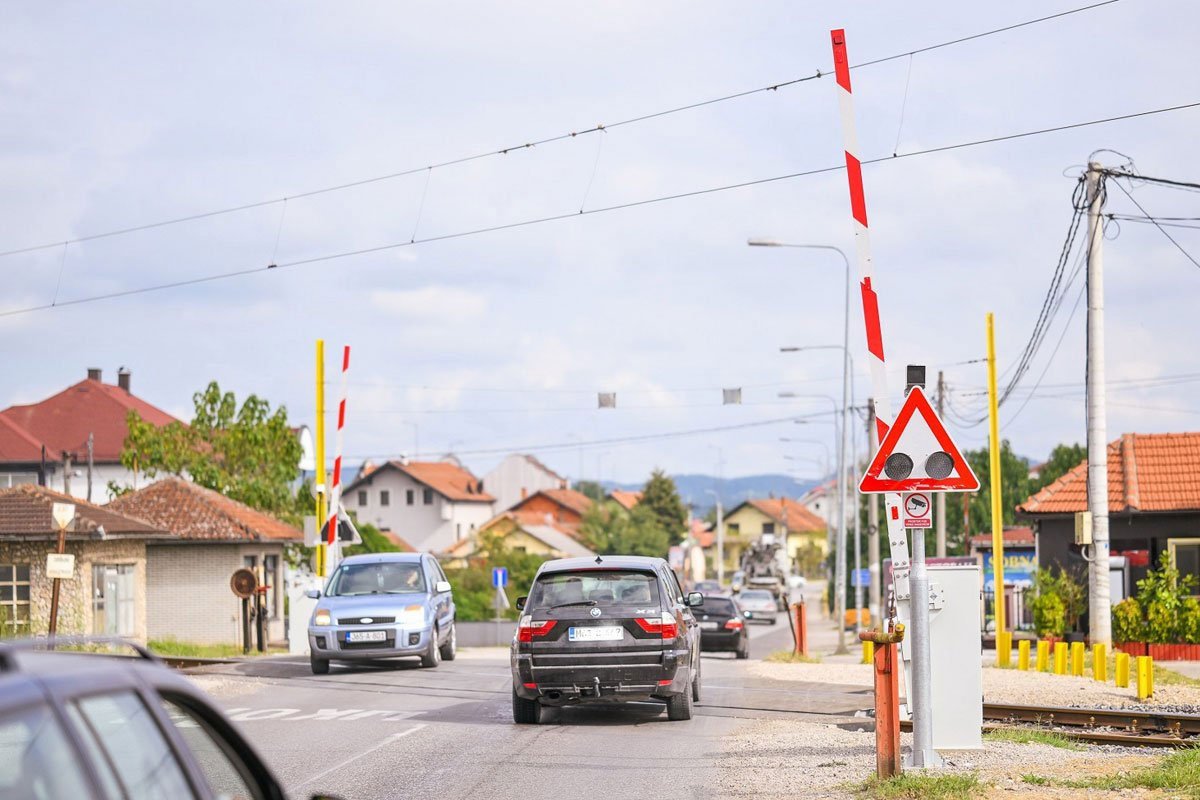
(918, 455)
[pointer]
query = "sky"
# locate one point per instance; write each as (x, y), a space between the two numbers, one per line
(116, 116)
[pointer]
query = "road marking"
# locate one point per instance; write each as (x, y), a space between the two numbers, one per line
(389, 740)
(245, 714)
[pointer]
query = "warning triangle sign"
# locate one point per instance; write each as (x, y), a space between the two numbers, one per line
(917, 454)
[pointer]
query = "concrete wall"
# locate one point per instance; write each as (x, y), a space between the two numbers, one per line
(515, 478)
(485, 634)
(428, 527)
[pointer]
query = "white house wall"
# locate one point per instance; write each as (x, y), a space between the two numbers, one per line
(515, 478)
(431, 528)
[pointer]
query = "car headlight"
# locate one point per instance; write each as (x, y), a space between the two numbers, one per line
(321, 617)
(413, 616)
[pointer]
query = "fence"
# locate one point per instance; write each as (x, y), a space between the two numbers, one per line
(1017, 614)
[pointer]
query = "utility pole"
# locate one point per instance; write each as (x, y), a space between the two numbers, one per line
(91, 446)
(941, 496)
(1099, 603)
(873, 521)
(858, 587)
(66, 473)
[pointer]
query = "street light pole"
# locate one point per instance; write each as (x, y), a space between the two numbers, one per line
(840, 557)
(720, 537)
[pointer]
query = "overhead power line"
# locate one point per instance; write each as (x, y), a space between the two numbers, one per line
(574, 214)
(1161, 229)
(528, 145)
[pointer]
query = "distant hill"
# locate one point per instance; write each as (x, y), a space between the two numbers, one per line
(694, 488)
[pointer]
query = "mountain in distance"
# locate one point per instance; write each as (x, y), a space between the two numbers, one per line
(694, 489)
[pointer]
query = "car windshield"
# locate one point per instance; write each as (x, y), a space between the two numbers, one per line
(755, 595)
(594, 587)
(717, 605)
(352, 580)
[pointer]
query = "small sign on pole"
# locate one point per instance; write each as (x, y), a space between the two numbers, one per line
(500, 577)
(60, 566)
(861, 577)
(918, 510)
(63, 513)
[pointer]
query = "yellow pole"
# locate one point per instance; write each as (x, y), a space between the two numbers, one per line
(994, 468)
(1100, 663)
(1077, 653)
(322, 553)
(1122, 676)
(1145, 677)
(1060, 658)
(1043, 655)
(1023, 655)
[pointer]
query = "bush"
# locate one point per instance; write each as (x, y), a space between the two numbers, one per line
(1049, 614)
(1128, 624)
(1070, 591)
(473, 591)
(1189, 621)
(1162, 595)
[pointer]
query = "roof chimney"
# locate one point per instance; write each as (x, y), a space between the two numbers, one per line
(123, 377)
(93, 373)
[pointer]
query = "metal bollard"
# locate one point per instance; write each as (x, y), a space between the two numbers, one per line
(1043, 656)
(1004, 648)
(1100, 662)
(1023, 655)
(868, 652)
(1060, 658)
(1077, 653)
(801, 612)
(887, 700)
(1122, 670)
(1145, 677)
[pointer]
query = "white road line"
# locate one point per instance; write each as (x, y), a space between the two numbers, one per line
(354, 758)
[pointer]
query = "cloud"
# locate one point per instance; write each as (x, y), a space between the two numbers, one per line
(447, 303)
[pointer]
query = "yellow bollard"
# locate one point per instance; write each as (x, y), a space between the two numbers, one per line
(1145, 677)
(1043, 656)
(1060, 658)
(1004, 649)
(1077, 653)
(1100, 662)
(1023, 655)
(868, 652)
(1122, 676)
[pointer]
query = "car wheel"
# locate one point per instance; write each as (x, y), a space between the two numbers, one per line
(526, 712)
(743, 652)
(320, 666)
(696, 685)
(773, 620)
(679, 706)
(450, 648)
(433, 654)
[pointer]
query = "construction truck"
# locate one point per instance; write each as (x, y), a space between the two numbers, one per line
(765, 565)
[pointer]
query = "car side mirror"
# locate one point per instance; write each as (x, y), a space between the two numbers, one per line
(694, 600)
(442, 586)
(521, 602)
(313, 594)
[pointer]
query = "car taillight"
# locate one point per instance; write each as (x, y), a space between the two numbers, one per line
(734, 625)
(664, 626)
(528, 629)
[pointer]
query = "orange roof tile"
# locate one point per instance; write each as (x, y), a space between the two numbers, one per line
(1146, 472)
(799, 519)
(192, 512)
(567, 498)
(447, 479)
(26, 513)
(1014, 536)
(625, 499)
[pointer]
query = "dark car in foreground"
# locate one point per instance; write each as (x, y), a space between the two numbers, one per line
(81, 725)
(722, 627)
(610, 629)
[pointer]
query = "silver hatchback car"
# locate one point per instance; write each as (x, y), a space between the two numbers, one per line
(383, 605)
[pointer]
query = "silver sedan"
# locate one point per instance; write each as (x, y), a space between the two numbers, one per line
(758, 605)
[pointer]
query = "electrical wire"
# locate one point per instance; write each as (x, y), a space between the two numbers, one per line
(575, 214)
(1161, 229)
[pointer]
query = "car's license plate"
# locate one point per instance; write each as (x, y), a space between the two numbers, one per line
(605, 633)
(366, 636)
(709, 626)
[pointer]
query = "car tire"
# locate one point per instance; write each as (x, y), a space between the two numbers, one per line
(696, 685)
(743, 652)
(320, 666)
(679, 706)
(773, 620)
(526, 712)
(450, 648)
(433, 654)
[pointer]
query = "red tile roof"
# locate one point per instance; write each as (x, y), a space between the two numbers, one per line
(567, 498)
(799, 518)
(192, 512)
(1146, 472)
(63, 422)
(1015, 536)
(26, 513)
(399, 541)
(626, 499)
(447, 479)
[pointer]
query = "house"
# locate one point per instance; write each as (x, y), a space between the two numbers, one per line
(47, 442)
(517, 477)
(522, 533)
(1020, 556)
(1153, 506)
(209, 536)
(430, 504)
(107, 594)
(783, 518)
(562, 507)
(625, 499)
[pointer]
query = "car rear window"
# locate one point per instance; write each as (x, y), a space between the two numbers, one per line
(599, 587)
(757, 594)
(718, 605)
(388, 577)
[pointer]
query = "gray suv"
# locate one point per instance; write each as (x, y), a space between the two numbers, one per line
(383, 605)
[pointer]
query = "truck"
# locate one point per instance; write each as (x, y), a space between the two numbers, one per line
(765, 566)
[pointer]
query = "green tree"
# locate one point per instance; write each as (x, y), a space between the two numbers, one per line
(614, 531)
(247, 453)
(1063, 458)
(592, 489)
(473, 590)
(373, 541)
(661, 499)
(1014, 490)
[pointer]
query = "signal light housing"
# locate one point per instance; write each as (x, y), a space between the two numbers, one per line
(939, 464)
(898, 466)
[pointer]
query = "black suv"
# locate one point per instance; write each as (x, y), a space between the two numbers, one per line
(610, 629)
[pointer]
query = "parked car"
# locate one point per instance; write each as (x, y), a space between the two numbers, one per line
(737, 581)
(722, 627)
(85, 725)
(610, 629)
(708, 587)
(758, 604)
(383, 605)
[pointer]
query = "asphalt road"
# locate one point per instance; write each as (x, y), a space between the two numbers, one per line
(396, 730)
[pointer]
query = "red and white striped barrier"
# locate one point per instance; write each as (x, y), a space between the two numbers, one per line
(336, 489)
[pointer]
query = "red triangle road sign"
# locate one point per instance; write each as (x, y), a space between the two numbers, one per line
(917, 454)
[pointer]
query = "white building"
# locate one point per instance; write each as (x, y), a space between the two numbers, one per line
(430, 504)
(518, 476)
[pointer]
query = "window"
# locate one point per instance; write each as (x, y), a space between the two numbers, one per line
(768, 527)
(427, 497)
(11, 479)
(272, 577)
(226, 773)
(14, 597)
(734, 528)
(362, 498)
(36, 758)
(112, 599)
(458, 530)
(385, 497)
(380, 577)
(1185, 553)
(136, 751)
(410, 496)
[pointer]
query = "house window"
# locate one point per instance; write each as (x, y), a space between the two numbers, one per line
(14, 596)
(362, 499)
(768, 527)
(112, 599)
(385, 497)
(272, 577)
(734, 528)
(427, 497)
(458, 530)
(1185, 553)
(410, 496)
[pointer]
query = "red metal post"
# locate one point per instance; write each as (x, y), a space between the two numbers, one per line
(887, 700)
(801, 628)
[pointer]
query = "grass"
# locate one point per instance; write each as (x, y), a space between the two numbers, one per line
(1032, 736)
(1035, 780)
(173, 647)
(920, 786)
(791, 657)
(1179, 771)
(1168, 677)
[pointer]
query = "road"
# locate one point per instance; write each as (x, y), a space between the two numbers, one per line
(400, 731)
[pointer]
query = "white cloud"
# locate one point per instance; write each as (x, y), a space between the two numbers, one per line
(431, 303)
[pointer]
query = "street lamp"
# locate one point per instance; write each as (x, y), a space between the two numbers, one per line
(720, 537)
(840, 560)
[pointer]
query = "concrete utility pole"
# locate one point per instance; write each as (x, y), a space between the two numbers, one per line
(66, 473)
(91, 446)
(720, 537)
(873, 521)
(1099, 602)
(941, 496)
